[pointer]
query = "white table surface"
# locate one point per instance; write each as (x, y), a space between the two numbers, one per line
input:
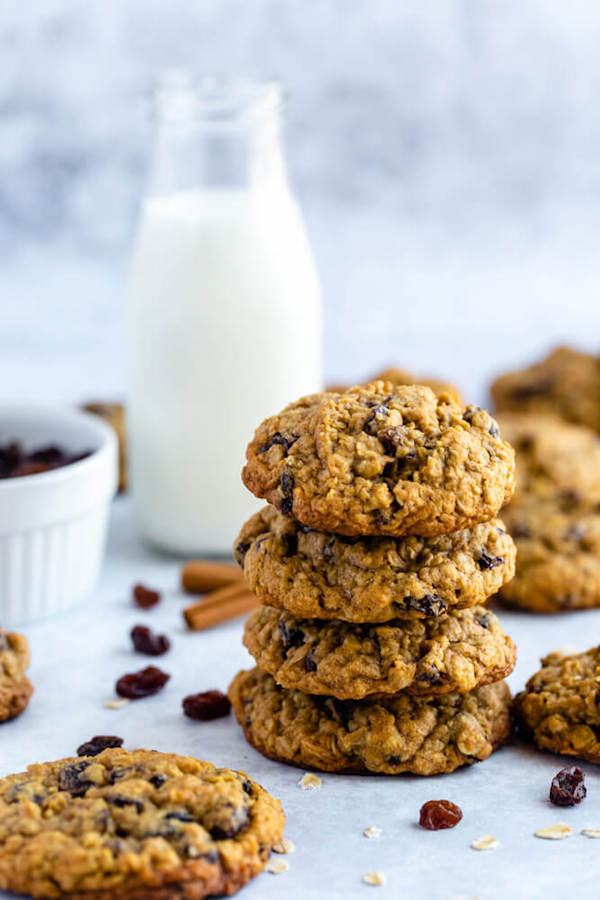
(77, 657)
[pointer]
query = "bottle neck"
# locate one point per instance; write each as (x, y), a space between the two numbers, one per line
(228, 140)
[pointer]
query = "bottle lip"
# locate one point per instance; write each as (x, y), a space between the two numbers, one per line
(214, 101)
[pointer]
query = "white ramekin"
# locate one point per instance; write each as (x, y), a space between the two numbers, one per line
(53, 524)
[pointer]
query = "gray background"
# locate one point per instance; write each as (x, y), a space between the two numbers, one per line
(446, 154)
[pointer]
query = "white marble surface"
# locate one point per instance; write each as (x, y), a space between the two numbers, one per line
(78, 657)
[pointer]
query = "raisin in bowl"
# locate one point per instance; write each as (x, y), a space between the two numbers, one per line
(54, 505)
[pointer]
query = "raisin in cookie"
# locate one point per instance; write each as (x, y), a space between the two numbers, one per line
(15, 687)
(320, 575)
(558, 556)
(553, 459)
(559, 708)
(400, 734)
(454, 653)
(566, 384)
(139, 825)
(381, 459)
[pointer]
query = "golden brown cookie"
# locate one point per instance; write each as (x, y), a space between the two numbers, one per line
(138, 825)
(558, 556)
(553, 459)
(401, 734)
(381, 459)
(316, 574)
(559, 708)
(15, 687)
(566, 384)
(450, 654)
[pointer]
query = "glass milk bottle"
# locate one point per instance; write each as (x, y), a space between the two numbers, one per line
(224, 317)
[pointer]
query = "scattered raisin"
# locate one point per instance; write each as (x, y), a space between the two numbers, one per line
(145, 597)
(145, 641)
(15, 461)
(486, 561)
(438, 814)
(142, 684)
(567, 787)
(99, 743)
(157, 780)
(206, 706)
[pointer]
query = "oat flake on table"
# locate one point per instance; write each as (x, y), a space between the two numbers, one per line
(277, 866)
(373, 832)
(487, 842)
(284, 846)
(375, 879)
(591, 832)
(554, 832)
(310, 782)
(117, 704)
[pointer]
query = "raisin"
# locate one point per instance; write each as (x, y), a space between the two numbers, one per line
(309, 662)
(290, 637)
(15, 461)
(520, 530)
(391, 438)
(567, 787)
(206, 706)
(486, 561)
(494, 430)
(141, 684)
(329, 550)
(180, 816)
(145, 641)
(70, 779)
(431, 676)
(539, 388)
(286, 482)
(371, 422)
(484, 620)
(157, 780)
(241, 549)
(290, 543)
(99, 743)
(468, 416)
(121, 800)
(282, 440)
(145, 597)
(339, 710)
(437, 814)
(429, 604)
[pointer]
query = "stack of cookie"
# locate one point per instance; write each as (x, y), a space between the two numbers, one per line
(374, 651)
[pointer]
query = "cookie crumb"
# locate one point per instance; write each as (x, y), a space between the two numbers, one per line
(284, 846)
(117, 704)
(310, 782)
(373, 831)
(554, 832)
(487, 842)
(277, 866)
(375, 879)
(591, 832)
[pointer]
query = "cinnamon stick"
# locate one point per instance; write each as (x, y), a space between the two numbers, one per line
(220, 606)
(199, 576)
